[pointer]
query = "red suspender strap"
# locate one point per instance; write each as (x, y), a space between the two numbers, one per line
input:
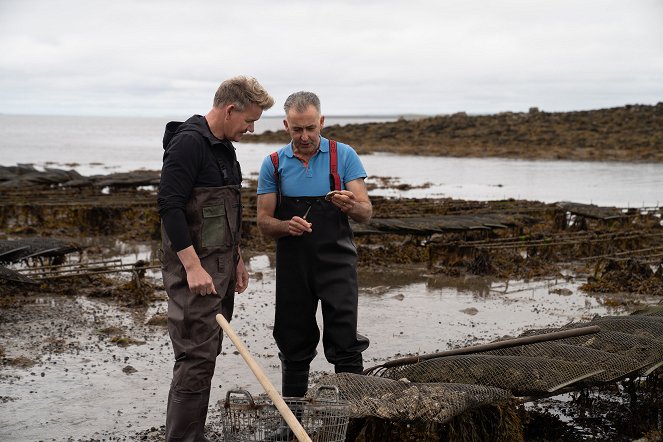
(334, 179)
(275, 162)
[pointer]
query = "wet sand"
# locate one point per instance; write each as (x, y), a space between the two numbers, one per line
(80, 367)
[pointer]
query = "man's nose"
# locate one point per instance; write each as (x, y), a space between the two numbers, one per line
(251, 127)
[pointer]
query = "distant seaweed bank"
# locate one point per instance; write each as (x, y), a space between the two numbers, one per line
(632, 133)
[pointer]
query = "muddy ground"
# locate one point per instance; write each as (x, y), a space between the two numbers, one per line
(107, 331)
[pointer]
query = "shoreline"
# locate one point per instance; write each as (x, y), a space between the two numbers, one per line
(631, 133)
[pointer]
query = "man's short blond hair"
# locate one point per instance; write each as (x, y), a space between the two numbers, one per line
(242, 91)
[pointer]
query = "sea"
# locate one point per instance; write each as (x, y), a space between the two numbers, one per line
(103, 145)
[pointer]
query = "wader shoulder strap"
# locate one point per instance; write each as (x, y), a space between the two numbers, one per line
(275, 162)
(277, 178)
(222, 162)
(334, 178)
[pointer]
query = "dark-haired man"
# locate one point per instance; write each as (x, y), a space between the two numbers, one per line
(316, 257)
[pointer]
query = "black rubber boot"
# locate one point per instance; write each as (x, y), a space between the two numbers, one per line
(356, 369)
(204, 405)
(185, 416)
(294, 383)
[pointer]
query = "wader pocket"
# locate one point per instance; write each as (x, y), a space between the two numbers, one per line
(214, 226)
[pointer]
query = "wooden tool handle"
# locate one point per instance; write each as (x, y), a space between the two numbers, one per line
(274, 395)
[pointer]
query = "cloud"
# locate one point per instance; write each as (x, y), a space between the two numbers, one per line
(160, 57)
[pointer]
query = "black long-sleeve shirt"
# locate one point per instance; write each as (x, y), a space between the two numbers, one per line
(193, 157)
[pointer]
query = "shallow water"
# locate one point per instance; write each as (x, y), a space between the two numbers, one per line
(96, 145)
(483, 179)
(83, 390)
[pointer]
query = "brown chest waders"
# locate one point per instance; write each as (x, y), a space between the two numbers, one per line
(213, 215)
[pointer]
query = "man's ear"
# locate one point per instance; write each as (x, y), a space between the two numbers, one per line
(322, 121)
(285, 124)
(228, 110)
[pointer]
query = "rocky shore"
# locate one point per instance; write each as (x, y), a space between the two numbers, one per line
(627, 133)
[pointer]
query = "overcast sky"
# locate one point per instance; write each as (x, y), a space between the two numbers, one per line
(163, 57)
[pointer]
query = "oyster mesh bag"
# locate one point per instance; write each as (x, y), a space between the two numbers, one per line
(613, 366)
(522, 375)
(439, 388)
(396, 400)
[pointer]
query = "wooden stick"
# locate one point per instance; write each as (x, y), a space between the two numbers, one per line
(490, 346)
(274, 395)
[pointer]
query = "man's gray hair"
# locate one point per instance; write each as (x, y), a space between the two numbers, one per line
(242, 91)
(300, 101)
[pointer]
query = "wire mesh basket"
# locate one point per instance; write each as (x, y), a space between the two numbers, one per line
(324, 417)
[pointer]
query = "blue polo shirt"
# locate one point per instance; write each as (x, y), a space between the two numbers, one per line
(313, 179)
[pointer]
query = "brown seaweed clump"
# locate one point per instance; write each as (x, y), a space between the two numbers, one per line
(158, 320)
(499, 423)
(630, 276)
(135, 293)
(21, 362)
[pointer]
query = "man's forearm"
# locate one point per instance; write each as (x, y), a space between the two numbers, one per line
(272, 227)
(361, 212)
(189, 258)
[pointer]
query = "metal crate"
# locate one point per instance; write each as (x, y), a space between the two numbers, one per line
(324, 416)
